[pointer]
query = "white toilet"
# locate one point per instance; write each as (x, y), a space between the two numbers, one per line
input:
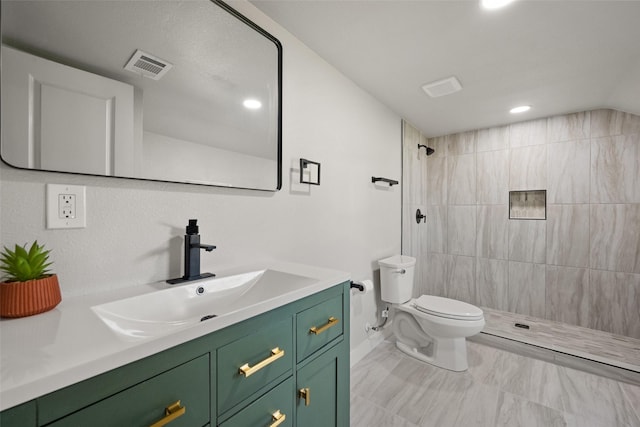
(430, 328)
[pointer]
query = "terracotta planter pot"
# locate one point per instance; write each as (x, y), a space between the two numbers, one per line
(21, 299)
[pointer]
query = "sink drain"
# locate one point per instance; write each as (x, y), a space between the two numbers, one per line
(207, 317)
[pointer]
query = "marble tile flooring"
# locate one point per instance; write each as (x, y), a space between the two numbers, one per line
(391, 389)
(603, 347)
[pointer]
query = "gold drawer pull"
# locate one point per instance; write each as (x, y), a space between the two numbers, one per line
(278, 418)
(171, 412)
(331, 322)
(305, 393)
(247, 370)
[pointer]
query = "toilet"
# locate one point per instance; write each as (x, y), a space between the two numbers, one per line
(429, 328)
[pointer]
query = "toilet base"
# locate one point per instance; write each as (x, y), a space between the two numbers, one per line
(447, 353)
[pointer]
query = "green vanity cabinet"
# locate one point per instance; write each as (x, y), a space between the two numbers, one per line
(19, 416)
(247, 374)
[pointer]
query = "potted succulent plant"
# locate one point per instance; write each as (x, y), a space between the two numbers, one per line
(28, 287)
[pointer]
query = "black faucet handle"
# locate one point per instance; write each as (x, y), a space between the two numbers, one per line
(192, 228)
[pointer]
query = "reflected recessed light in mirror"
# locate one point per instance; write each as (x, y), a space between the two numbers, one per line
(520, 109)
(252, 104)
(494, 4)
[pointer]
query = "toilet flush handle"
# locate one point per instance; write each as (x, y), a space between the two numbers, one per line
(401, 271)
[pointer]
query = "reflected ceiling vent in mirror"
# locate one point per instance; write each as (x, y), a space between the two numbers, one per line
(442, 87)
(148, 65)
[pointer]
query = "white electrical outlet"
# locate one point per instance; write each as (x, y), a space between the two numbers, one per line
(66, 206)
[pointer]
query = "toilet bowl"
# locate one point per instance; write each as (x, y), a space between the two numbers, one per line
(429, 328)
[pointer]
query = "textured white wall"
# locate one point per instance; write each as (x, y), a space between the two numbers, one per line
(134, 228)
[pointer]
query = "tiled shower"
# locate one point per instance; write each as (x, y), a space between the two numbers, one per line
(580, 265)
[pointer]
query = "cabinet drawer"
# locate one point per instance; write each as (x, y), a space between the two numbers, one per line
(145, 403)
(264, 356)
(274, 406)
(318, 325)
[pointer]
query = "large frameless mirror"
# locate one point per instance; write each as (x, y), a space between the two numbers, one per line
(179, 91)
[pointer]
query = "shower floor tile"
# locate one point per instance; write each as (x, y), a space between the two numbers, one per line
(500, 388)
(603, 347)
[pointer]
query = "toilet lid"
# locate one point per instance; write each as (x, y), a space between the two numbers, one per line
(449, 308)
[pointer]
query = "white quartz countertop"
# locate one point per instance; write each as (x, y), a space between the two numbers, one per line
(49, 351)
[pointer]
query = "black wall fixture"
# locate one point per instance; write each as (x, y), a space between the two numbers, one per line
(391, 182)
(311, 170)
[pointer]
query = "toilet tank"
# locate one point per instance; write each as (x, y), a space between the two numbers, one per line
(396, 278)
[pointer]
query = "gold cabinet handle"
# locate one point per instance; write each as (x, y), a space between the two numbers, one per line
(331, 322)
(247, 370)
(277, 418)
(171, 412)
(305, 393)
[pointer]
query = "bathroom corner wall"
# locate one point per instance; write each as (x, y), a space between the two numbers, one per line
(135, 228)
(582, 264)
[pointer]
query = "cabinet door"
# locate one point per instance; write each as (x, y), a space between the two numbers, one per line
(323, 391)
(145, 403)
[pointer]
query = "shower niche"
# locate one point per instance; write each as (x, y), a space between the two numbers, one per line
(529, 204)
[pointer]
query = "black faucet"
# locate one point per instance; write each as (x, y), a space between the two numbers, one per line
(192, 248)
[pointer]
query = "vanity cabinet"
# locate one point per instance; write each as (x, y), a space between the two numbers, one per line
(287, 367)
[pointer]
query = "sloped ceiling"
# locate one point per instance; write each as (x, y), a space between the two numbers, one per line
(557, 56)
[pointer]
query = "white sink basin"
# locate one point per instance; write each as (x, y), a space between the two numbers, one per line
(162, 312)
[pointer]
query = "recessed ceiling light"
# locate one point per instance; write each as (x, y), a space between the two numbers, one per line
(494, 4)
(252, 104)
(520, 109)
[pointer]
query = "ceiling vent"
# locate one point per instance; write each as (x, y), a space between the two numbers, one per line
(442, 87)
(148, 65)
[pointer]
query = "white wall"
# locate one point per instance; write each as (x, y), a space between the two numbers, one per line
(134, 228)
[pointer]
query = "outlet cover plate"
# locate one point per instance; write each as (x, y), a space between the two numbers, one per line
(54, 217)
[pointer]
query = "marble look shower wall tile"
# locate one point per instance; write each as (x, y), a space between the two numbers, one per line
(526, 294)
(439, 144)
(532, 132)
(606, 123)
(438, 268)
(492, 139)
(568, 235)
(414, 239)
(614, 241)
(437, 229)
(461, 182)
(492, 177)
(461, 279)
(614, 302)
(567, 295)
(461, 230)
(569, 127)
(527, 240)
(436, 180)
(492, 277)
(569, 166)
(528, 168)
(615, 169)
(414, 170)
(492, 237)
(461, 143)
(630, 123)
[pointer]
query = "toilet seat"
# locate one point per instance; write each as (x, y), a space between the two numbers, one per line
(447, 308)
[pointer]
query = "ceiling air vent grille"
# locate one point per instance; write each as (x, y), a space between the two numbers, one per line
(148, 65)
(442, 87)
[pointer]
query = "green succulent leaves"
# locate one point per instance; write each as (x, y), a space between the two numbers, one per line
(21, 264)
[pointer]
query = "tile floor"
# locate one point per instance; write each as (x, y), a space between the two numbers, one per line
(390, 389)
